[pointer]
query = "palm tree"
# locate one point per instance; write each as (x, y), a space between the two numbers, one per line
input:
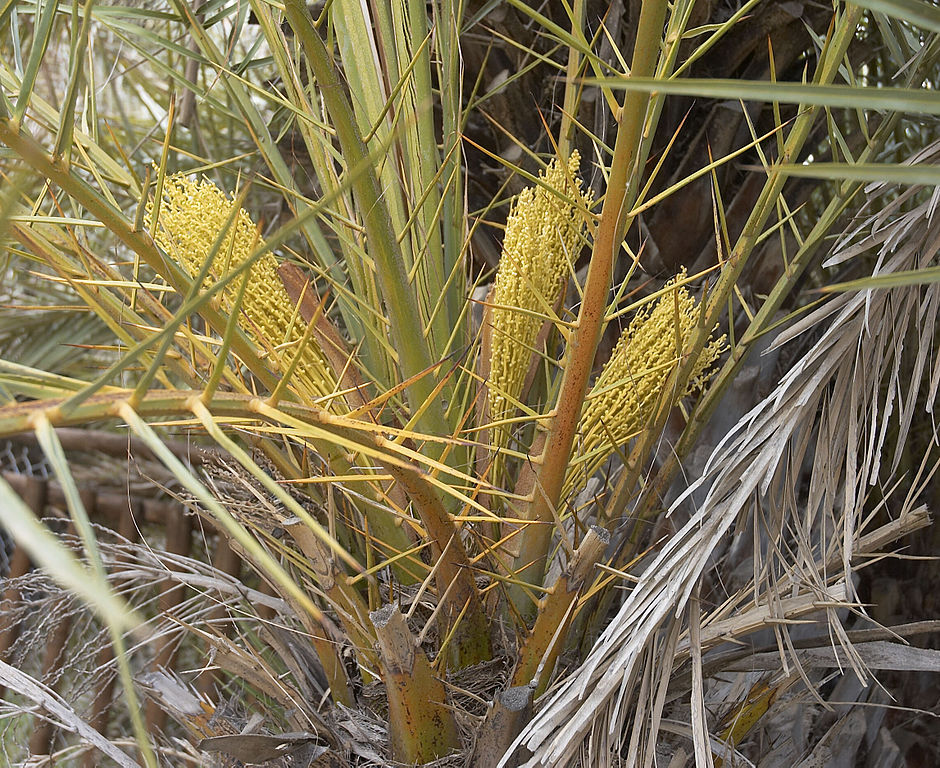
(461, 382)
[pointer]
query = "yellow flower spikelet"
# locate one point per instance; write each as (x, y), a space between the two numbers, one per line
(543, 235)
(623, 398)
(192, 214)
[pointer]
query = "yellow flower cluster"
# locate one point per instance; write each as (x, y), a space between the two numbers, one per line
(192, 215)
(626, 393)
(543, 237)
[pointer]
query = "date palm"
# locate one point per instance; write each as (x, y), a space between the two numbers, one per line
(510, 426)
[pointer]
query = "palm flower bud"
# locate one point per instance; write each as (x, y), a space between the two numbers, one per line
(623, 398)
(192, 215)
(543, 233)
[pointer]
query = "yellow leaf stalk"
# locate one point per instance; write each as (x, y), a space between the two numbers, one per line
(543, 236)
(625, 395)
(192, 214)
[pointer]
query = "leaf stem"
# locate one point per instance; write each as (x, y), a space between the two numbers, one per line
(624, 178)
